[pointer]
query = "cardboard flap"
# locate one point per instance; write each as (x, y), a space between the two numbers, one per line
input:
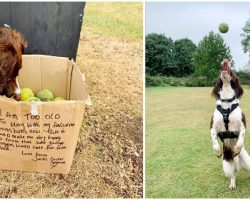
(78, 88)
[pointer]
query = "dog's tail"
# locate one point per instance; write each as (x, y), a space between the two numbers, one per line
(244, 159)
(227, 153)
(228, 145)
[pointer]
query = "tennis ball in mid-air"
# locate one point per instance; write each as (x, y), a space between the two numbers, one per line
(26, 93)
(58, 99)
(223, 27)
(45, 95)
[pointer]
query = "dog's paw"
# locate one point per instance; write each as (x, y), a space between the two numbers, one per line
(236, 152)
(217, 150)
(237, 148)
(232, 186)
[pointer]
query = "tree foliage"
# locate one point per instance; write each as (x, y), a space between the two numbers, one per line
(160, 55)
(246, 37)
(184, 52)
(209, 54)
(169, 58)
(180, 58)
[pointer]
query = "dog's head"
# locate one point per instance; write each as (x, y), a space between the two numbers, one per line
(12, 45)
(227, 76)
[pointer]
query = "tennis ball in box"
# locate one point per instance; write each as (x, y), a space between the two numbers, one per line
(223, 27)
(58, 99)
(26, 93)
(32, 99)
(45, 95)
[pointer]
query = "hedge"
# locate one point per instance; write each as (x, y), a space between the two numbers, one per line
(153, 81)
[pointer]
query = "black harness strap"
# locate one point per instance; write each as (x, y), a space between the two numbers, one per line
(228, 100)
(225, 113)
(228, 134)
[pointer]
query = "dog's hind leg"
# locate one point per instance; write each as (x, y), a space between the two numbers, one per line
(244, 159)
(229, 168)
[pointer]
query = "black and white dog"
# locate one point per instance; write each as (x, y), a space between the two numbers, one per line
(229, 124)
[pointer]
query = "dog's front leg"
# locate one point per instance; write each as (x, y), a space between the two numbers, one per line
(240, 141)
(216, 146)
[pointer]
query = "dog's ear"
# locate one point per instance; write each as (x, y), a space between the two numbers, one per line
(5, 40)
(238, 89)
(11, 40)
(21, 40)
(3, 78)
(217, 88)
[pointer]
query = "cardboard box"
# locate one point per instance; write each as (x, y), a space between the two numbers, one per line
(42, 136)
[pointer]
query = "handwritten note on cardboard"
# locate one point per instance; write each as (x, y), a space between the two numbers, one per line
(45, 142)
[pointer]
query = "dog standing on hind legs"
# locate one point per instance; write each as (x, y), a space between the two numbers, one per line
(229, 124)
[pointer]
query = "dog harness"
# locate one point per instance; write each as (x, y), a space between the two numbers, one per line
(225, 113)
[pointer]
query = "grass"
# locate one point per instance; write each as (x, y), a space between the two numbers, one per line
(125, 23)
(108, 157)
(111, 136)
(180, 162)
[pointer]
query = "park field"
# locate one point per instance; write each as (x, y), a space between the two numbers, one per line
(180, 162)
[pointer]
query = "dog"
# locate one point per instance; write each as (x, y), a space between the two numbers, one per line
(229, 124)
(12, 44)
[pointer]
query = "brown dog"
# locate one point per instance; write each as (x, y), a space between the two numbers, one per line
(12, 44)
(229, 124)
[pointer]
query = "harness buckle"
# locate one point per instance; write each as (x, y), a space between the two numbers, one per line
(225, 117)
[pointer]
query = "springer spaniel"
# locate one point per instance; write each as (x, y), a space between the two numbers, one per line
(12, 44)
(229, 123)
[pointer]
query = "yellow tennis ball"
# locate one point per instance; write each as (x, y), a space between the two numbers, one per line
(45, 95)
(223, 27)
(26, 93)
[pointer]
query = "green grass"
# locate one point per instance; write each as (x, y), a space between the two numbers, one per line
(125, 23)
(180, 162)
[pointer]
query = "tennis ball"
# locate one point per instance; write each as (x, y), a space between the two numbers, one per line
(26, 93)
(223, 28)
(45, 95)
(32, 99)
(58, 98)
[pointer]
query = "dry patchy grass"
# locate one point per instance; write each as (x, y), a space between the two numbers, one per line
(112, 130)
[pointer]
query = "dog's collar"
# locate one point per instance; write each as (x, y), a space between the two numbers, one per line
(226, 100)
(235, 101)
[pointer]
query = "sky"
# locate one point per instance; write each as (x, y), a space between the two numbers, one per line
(194, 20)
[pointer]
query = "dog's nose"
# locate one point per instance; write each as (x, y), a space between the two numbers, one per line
(17, 96)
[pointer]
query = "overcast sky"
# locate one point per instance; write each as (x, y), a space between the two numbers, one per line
(195, 19)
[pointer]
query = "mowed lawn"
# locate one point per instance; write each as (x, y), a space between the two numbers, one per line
(180, 162)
